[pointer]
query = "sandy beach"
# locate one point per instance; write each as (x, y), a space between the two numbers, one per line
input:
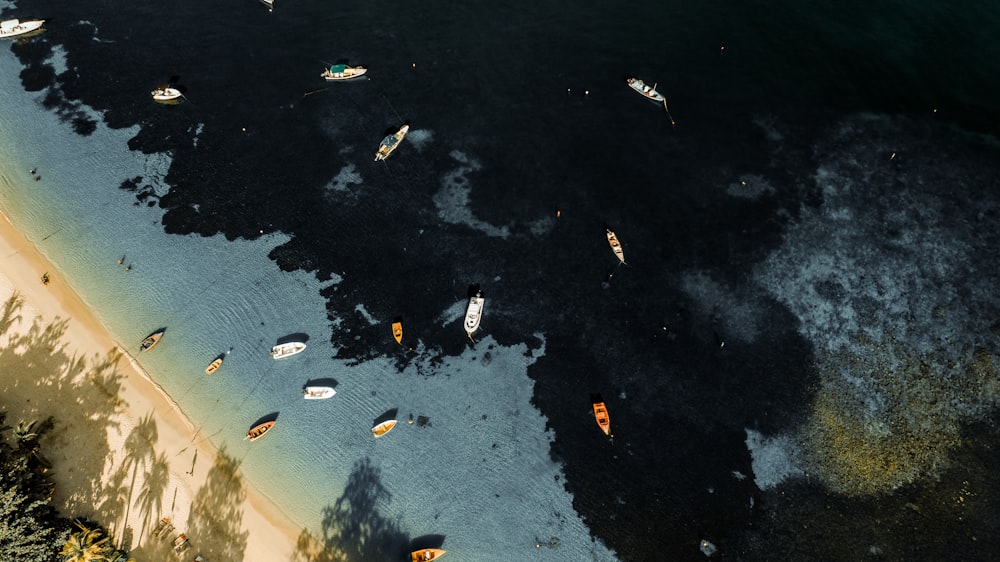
(122, 453)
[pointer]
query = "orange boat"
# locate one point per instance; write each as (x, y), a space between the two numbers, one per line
(259, 430)
(425, 554)
(152, 339)
(601, 415)
(383, 428)
(214, 365)
(397, 332)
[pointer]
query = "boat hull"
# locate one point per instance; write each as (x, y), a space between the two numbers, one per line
(318, 393)
(260, 430)
(426, 554)
(616, 246)
(645, 91)
(391, 143)
(349, 73)
(603, 420)
(474, 314)
(213, 366)
(17, 28)
(385, 427)
(397, 332)
(151, 340)
(285, 350)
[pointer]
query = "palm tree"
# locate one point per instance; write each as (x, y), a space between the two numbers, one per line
(138, 451)
(86, 545)
(150, 498)
(25, 434)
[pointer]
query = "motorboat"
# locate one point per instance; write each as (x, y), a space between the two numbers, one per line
(397, 332)
(647, 91)
(381, 429)
(269, 4)
(318, 392)
(283, 350)
(16, 27)
(391, 143)
(151, 340)
(474, 314)
(166, 94)
(343, 72)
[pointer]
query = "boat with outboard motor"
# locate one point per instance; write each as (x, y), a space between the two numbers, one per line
(391, 143)
(343, 72)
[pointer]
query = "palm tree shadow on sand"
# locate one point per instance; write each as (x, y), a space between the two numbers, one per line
(352, 529)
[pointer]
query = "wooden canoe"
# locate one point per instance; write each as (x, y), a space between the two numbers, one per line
(214, 365)
(425, 554)
(601, 415)
(397, 332)
(616, 246)
(385, 427)
(259, 430)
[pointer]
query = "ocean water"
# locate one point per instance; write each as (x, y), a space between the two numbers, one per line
(823, 211)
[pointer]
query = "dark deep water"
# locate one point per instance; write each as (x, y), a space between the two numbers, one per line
(526, 105)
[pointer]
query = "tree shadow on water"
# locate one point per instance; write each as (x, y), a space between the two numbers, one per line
(352, 528)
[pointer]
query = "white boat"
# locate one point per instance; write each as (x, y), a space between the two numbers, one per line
(343, 72)
(649, 92)
(318, 392)
(166, 94)
(473, 314)
(15, 27)
(269, 4)
(283, 350)
(390, 143)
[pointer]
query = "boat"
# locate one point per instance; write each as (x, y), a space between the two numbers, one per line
(397, 332)
(343, 72)
(425, 554)
(165, 94)
(151, 340)
(259, 430)
(601, 415)
(616, 246)
(318, 392)
(15, 27)
(214, 365)
(391, 143)
(269, 4)
(648, 92)
(474, 314)
(283, 350)
(382, 428)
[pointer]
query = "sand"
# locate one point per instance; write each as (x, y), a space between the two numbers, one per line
(68, 367)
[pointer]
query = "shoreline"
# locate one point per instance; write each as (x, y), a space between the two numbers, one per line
(273, 535)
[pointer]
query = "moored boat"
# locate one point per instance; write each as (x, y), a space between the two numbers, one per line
(616, 246)
(214, 365)
(269, 4)
(603, 420)
(426, 554)
(151, 340)
(318, 392)
(259, 430)
(343, 72)
(397, 332)
(474, 314)
(283, 350)
(165, 94)
(391, 143)
(647, 91)
(16, 27)
(382, 428)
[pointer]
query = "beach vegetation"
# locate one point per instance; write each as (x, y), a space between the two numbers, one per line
(87, 545)
(31, 530)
